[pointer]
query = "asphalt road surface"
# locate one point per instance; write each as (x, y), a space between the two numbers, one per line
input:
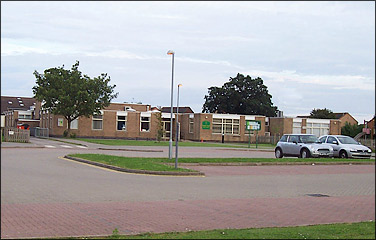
(45, 195)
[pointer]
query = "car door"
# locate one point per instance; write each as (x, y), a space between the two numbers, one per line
(332, 141)
(292, 146)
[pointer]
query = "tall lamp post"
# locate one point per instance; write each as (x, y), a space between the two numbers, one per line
(177, 128)
(170, 52)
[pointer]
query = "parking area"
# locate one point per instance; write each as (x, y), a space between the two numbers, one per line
(43, 195)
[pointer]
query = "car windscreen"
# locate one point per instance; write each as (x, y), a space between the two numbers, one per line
(309, 139)
(347, 140)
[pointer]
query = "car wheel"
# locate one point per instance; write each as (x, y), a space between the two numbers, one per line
(343, 154)
(278, 153)
(305, 154)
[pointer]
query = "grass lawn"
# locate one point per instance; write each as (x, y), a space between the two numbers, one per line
(362, 230)
(150, 164)
(155, 164)
(122, 142)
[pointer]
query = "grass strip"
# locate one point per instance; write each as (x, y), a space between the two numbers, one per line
(123, 142)
(150, 164)
(159, 164)
(361, 230)
(271, 160)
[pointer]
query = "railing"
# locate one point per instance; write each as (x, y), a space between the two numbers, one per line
(273, 139)
(368, 142)
(41, 132)
(12, 134)
(359, 135)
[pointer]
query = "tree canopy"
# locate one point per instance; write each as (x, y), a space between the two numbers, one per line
(241, 95)
(71, 94)
(351, 129)
(322, 114)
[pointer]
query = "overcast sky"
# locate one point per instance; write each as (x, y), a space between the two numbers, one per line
(309, 54)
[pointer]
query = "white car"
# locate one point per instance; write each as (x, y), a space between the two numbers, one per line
(346, 147)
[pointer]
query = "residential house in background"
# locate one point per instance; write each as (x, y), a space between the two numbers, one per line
(372, 126)
(20, 110)
(346, 117)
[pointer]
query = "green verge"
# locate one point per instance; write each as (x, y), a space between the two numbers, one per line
(271, 160)
(361, 230)
(122, 142)
(159, 164)
(150, 164)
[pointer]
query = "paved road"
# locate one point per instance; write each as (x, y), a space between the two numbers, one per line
(43, 195)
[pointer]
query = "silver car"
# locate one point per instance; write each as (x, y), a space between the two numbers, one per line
(346, 147)
(303, 146)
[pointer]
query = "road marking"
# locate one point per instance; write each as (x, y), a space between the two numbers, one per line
(81, 146)
(66, 146)
(49, 146)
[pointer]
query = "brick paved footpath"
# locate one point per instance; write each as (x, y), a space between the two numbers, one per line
(54, 219)
(79, 219)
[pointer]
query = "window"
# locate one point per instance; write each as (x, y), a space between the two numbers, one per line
(317, 129)
(73, 124)
(331, 139)
(283, 138)
(217, 125)
(122, 123)
(296, 127)
(191, 122)
(97, 122)
(24, 116)
(145, 124)
(226, 126)
(322, 139)
(293, 138)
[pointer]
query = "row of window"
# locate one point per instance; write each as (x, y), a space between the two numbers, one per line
(121, 123)
(317, 129)
(226, 126)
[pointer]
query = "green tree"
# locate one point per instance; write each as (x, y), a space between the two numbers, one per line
(71, 94)
(160, 130)
(351, 129)
(322, 114)
(241, 95)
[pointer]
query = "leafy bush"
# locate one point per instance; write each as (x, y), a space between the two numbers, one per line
(65, 134)
(351, 129)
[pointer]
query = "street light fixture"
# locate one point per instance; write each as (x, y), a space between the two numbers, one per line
(170, 52)
(177, 128)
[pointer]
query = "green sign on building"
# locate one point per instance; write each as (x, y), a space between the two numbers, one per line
(205, 125)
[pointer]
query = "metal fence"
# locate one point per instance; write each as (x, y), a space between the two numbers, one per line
(273, 139)
(368, 142)
(41, 132)
(12, 134)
